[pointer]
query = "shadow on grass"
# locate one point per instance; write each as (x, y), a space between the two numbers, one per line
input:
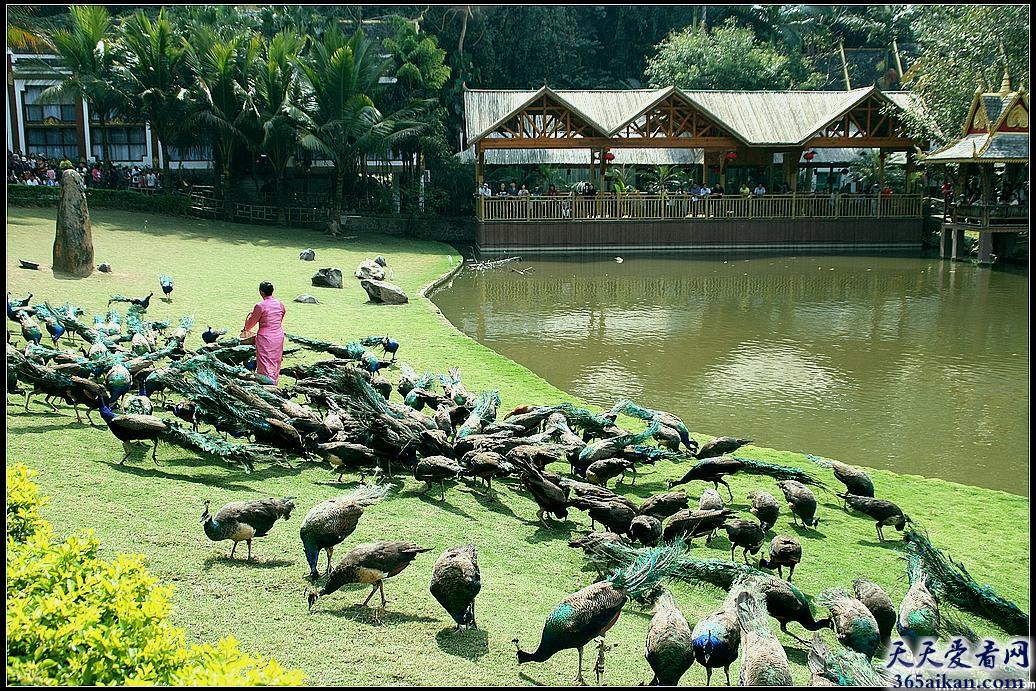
(811, 533)
(492, 502)
(158, 471)
(470, 644)
(363, 614)
(536, 682)
(436, 501)
(241, 561)
(557, 531)
(894, 545)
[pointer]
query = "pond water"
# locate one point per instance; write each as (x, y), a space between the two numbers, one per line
(910, 364)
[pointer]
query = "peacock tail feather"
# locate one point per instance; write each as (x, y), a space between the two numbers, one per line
(246, 454)
(780, 472)
(643, 577)
(949, 580)
(822, 462)
(584, 418)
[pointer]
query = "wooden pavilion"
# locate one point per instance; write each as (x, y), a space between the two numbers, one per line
(730, 137)
(995, 135)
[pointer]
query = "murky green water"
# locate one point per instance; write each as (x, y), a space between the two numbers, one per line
(916, 365)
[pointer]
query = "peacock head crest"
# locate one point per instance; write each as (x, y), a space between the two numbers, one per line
(205, 514)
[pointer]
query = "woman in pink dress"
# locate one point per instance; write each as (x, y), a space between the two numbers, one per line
(269, 339)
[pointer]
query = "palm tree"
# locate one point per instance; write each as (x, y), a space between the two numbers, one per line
(87, 53)
(340, 118)
(278, 92)
(222, 68)
(155, 75)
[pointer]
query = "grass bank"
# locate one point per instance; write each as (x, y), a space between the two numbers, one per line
(153, 510)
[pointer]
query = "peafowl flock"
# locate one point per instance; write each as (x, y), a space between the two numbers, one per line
(331, 521)
(669, 648)
(456, 582)
(592, 611)
(245, 520)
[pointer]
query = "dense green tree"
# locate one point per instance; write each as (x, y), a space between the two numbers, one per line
(726, 57)
(154, 73)
(86, 52)
(959, 45)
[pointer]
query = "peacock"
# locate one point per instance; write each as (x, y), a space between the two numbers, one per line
(613, 446)
(616, 514)
(854, 624)
(856, 481)
(720, 446)
(665, 419)
(139, 404)
(211, 335)
(763, 660)
(883, 511)
(880, 605)
(690, 523)
(716, 639)
(331, 521)
(456, 582)
(664, 504)
(950, 581)
(801, 501)
(748, 535)
(133, 428)
(669, 648)
(715, 470)
(765, 507)
(592, 611)
(371, 563)
(600, 471)
(785, 550)
(245, 520)
(31, 331)
(647, 530)
(483, 412)
(437, 469)
(594, 426)
(54, 328)
(167, 286)
(17, 304)
(842, 668)
(142, 303)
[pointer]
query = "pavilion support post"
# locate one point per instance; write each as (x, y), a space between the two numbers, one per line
(957, 253)
(985, 248)
(946, 238)
(480, 164)
(986, 173)
(909, 172)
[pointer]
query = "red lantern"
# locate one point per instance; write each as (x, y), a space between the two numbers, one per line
(609, 157)
(809, 155)
(731, 155)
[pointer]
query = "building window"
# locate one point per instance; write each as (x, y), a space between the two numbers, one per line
(124, 143)
(51, 113)
(201, 152)
(52, 142)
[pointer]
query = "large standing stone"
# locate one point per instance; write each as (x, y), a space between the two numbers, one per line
(370, 270)
(380, 291)
(328, 278)
(73, 240)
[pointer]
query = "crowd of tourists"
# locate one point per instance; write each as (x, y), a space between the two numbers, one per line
(39, 170)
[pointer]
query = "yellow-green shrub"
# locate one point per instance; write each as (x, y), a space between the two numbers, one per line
(23, 503)
(74, 619)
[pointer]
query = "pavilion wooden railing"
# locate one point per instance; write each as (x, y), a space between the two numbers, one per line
(990, 215)
(651, 207)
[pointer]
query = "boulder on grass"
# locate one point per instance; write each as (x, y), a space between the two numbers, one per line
(370, 271)
(381, 291)
(307, 299)
(328, 278)
(307, 255)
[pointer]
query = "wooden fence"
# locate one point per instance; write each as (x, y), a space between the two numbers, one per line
(205, 204)
(648, 207)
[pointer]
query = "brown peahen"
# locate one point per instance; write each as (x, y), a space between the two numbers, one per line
(437, 469)
(715, 470)
(369, 563)
(720, 446)
(593, 610)
(882, 511)
(245, 520)
(668, 648)
(856, 481)
(801, 501)
(785, 550)
(880, 605)
(331, 521)
(664, 504)
(646, 530)
(854, 625)
(748, 535)
(765, 507)
(690, 523)
(763, 660)
(456, 581)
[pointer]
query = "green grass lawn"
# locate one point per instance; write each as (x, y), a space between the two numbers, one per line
(141, 508)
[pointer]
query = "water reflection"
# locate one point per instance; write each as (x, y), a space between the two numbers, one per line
(917, 365)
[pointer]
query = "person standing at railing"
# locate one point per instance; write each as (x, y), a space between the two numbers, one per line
(947, 199)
